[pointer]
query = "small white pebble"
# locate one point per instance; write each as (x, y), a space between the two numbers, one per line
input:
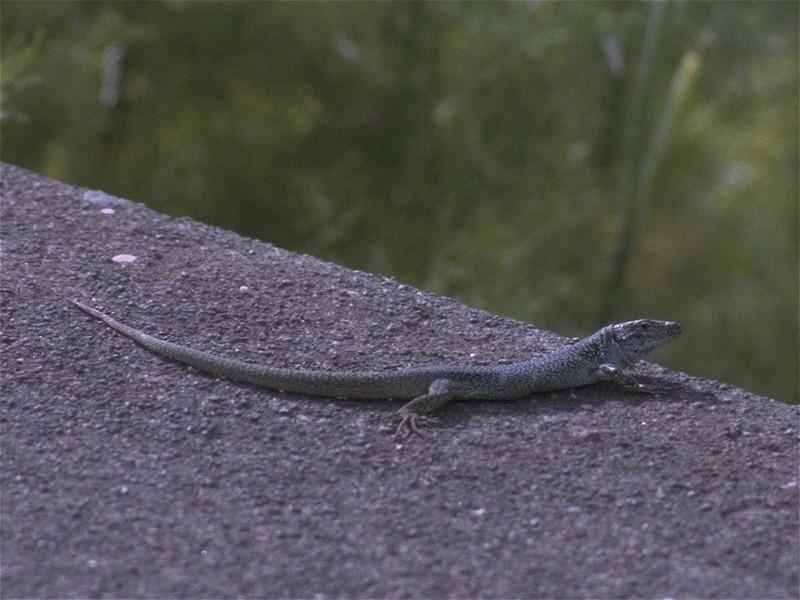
(107, 211)
(101, 198)
(124, 259)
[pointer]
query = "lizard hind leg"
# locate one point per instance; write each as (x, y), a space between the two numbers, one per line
(414, 414)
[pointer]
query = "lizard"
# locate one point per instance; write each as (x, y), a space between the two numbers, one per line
(602, 356)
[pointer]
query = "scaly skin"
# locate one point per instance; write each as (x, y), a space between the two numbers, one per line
(602, 356)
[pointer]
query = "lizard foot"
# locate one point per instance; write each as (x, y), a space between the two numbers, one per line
(411, 422)
(637, 388)
(630, 384)
(610, 372)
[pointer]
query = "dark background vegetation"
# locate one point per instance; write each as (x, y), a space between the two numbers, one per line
(565, 163)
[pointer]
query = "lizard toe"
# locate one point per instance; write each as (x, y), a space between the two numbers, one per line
(411, 423)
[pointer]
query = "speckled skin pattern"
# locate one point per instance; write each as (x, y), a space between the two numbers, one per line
(598, 357)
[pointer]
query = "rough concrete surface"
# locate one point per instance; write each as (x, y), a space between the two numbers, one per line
(127, 475)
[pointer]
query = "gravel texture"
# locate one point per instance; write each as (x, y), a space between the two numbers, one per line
(127, 475)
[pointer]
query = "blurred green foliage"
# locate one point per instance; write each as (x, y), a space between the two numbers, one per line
(560, 162)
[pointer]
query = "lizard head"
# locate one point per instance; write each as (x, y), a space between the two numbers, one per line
(634, 339)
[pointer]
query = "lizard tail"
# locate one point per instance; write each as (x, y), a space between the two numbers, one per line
(114, 324)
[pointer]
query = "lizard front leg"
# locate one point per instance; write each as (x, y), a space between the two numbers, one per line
(415, 413)
(609, 372)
